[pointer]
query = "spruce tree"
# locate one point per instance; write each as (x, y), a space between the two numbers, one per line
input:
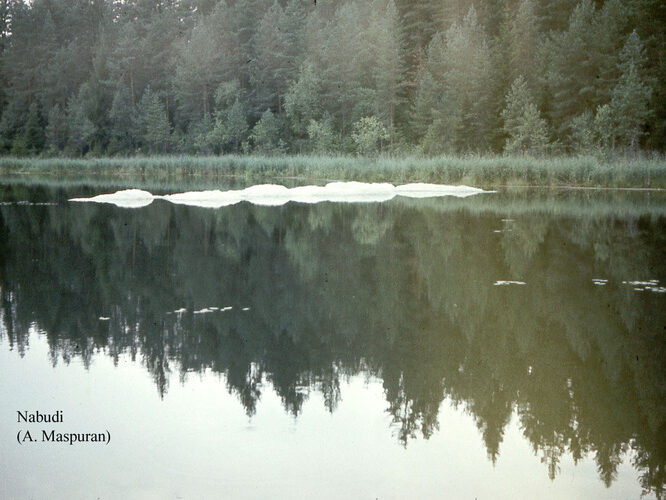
(80, 129)
(155, 127)
(266, 134)
(631, 95)
(526, 129)
(33, 130)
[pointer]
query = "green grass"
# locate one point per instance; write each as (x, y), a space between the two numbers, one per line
(488, 171)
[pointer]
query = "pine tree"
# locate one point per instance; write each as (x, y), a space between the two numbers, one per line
(524, 44)
(33, 130)
(266, 134)
(56, 133)
(582, 62)
(526, 129)
(80, 130)
(123, 121)
(303, 101)
(155, 128)
(459, 90)
(387, 55)
(231, 117)
(631, 95)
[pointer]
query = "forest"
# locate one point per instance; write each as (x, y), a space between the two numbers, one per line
(93, 78)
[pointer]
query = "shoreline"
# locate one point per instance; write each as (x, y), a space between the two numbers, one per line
(484, 171)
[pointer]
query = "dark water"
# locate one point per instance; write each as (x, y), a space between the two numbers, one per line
(368, 351)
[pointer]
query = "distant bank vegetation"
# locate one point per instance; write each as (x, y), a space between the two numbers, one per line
(471, 169)
(381, 77)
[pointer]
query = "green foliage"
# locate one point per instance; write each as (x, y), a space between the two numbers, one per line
(453, 92)
(56, 133)
(154, 127)
(436, 75)
(80, 130)
(124, 121)
(266, 135)
(33, 130)
(527, 132)
(369, 134)
(321, 136)
(631, 95)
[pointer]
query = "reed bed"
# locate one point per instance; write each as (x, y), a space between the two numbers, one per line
(584, 171)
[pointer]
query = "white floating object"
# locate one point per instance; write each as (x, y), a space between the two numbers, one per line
(127, 198)
(641, 283)
(246, 309)
(203, 311)
(276, 195)
(656, 289)
(180, 311)
(359, 192)
(226, 308)
(104, 318)
(205, 199)
(267, 194)
(422, 190)
(501, 283)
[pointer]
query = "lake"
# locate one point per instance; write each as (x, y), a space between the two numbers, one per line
(502, 345)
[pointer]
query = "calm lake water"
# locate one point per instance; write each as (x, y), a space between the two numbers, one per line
(505, 345)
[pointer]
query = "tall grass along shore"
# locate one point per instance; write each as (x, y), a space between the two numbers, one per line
(584, 171)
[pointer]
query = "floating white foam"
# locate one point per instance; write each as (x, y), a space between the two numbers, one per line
(104, 318)
(421, 190)
(180, 311)
(127, 198)
(226, 308)
(206, 199)
(502, 283)
(275, 195)
(246, 309)
(641, 283)
(203, 311)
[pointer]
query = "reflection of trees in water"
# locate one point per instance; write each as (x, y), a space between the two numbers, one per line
(394, 290)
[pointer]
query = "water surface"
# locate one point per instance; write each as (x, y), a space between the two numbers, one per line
(499, 345)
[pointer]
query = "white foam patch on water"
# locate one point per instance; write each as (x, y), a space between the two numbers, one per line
(206, 199)
(104, 318)
(641, 283)
(502, 283)
(246, 309)
(127, 198)
(205, 310)
(276, 195)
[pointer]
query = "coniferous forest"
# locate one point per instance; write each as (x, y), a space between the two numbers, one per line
(537, 77)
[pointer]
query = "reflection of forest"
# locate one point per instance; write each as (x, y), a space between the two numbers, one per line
(399, 290)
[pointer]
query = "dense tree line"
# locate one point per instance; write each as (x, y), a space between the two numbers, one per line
(293, 76)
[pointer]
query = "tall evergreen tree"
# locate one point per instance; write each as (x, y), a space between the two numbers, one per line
(631, 95)
(526, 130)
(155, 128)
